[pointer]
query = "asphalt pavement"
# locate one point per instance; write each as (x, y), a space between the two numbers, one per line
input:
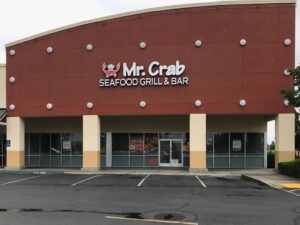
(29, 199)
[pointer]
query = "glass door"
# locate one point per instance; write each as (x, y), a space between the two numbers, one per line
(170, 152)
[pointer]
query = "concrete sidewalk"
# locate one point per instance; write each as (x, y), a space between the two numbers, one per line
(275, 180)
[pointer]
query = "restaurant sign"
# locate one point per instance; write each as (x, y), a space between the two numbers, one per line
(155, 74)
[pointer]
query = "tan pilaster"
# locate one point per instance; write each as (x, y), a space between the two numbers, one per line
(284, 138)
(16, 136)
(91, 142)
(197, 142)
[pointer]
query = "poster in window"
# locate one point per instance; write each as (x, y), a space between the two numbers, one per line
(236, 145)
(136, 144)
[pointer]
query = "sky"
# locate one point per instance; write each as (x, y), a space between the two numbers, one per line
(20, 19)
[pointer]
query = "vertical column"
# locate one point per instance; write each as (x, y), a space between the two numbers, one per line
(91, 142)
(284, 138)
(198, 142)
(16, 135)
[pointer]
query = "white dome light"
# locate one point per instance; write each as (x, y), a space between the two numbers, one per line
(287, 42)
(286, 103)
(49, 106)
(12, 80)
(89, 105)
(287, 72)
(243, 102)
(243, 42)
(89, 47)
(198, 103)
(12, 52)
(142, 104)
(49, 50)
(12, 107)
(143, 45)
(198, 43)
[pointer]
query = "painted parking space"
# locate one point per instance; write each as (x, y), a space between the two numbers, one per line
(291, 185)
(114, 181)
(172, 181)
(55, 180)
(6, 179)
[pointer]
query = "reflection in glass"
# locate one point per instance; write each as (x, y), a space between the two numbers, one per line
(165, 151)
(120, 144)
(45, 144)
(209, 144)
(255, 144)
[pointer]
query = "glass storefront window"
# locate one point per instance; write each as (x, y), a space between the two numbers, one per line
(120, 144)
(34, 144)
(103, 143)
(221, 144)
(76, 144)
(209, 144)
(45, 144)
(136, 144)
(237, 145)
(151, 144)
(55, 144)
(255, 144)
(66, 144)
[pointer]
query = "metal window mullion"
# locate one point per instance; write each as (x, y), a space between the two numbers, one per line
(245, 148)
(229, 161)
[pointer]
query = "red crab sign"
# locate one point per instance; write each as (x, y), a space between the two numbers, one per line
(110, 70)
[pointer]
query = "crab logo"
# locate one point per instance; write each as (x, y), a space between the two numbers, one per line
(110, 70)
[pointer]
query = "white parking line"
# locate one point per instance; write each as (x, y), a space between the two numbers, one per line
(291, 191)
(80, 182)
(16, 181)
(142, 181)
(201, 182)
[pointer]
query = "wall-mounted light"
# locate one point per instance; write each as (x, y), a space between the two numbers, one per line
(89, 47)
(198, 43)
(89, 105)
(243, 42)
(143, 45)
(12, 52)
(286, 103)
(142, 104)
(198, 103)
(49, 50)
(12, 80)
(287, 42)
(243, 102)
(49, 106)
(287, 72)
(12, 107)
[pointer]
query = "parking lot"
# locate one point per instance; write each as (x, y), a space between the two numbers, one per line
(142, 199)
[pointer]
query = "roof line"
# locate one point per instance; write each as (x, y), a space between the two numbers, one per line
(157, 9)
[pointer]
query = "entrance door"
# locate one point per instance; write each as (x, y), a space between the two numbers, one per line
(170, 152)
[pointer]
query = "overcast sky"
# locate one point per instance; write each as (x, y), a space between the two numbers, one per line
(22, 18)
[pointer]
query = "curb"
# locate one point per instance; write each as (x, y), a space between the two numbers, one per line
(258, 181)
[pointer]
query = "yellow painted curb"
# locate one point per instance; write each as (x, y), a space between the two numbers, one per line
(291, 185)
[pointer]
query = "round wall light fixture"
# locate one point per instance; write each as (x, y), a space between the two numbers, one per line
(243, 102)
(143, 45)
(287, 42)
(198, 43)
(12, 107)
(49, 106)
(12, 80)
(89, 47)
(49, 50)
(287, 72)
(12, 52)
(286, 103)
(142, 104)
(198, 103)
(243, 42)
(89, 105)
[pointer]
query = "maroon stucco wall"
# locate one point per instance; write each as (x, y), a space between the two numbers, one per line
(221, 72)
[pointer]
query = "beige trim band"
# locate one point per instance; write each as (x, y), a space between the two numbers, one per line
(157, 9)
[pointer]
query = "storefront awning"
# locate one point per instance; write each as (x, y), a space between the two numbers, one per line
(2, 116)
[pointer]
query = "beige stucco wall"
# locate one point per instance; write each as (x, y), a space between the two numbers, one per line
(91, 133)
(2, 86)
(198, 132)
(15, 133)
(285, 132)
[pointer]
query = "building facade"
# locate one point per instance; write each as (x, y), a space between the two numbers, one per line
(184, 86)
